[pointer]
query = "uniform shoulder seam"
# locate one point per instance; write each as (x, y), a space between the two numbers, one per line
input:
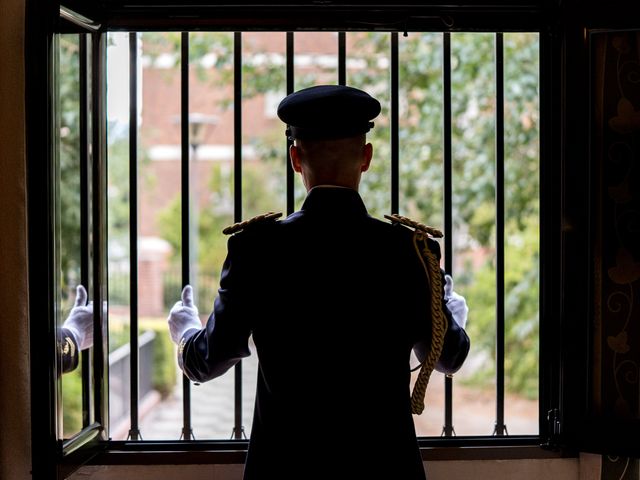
(268, 217)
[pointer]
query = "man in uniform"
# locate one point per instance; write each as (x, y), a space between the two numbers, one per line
(335, 300)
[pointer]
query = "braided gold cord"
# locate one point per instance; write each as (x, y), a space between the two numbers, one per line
(438, 319)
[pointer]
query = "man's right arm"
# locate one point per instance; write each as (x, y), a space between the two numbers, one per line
(206, 353)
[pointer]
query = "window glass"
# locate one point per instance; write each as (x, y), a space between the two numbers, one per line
(315, 63)
(212, 140)
(67, 214)
(473, 111)
(118, 195)
(369, 68)
(522, 230)
(211, 192)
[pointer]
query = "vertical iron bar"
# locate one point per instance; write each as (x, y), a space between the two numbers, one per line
(500, 427)
(342, 58)
(54, 200)
(134, 431)
(447, 429)
(99, 229)
(238, 428)
(85, 232)
(187, 432)
(549, 251)
(237, 126)
(290, 86)
(395, 131)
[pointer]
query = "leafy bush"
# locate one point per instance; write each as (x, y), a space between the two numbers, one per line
(72, 402)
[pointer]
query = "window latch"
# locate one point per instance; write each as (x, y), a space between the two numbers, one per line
(554, 429)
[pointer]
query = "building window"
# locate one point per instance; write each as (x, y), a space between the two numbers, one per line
(192, 146)
(156, 140)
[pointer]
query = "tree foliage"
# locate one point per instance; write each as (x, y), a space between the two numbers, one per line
(473, 109)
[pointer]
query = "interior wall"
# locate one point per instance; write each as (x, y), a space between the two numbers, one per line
(547, 469)
(15, 434)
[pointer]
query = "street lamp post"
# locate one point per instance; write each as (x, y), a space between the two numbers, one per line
(199, 126)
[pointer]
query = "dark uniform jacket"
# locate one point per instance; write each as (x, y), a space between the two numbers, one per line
(67, 350)
(335, 301)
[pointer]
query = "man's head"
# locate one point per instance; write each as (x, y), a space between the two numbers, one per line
(328, 124)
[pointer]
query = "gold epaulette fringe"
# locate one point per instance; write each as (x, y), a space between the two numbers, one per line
(431, 265)
(237, 227)
(431, 231)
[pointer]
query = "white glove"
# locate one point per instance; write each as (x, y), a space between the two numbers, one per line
(456, 303)
(183, 316)
(80, 319)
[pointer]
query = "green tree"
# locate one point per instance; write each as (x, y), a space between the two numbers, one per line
(421, 168)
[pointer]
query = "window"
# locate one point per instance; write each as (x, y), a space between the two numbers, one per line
(219, 126)
(164, 138)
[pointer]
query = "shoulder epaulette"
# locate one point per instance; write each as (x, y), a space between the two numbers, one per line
(431, 231)
(265, 217)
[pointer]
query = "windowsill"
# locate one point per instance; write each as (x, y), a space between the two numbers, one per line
(234, 452)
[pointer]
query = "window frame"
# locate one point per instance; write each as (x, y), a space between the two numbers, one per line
(91, 442)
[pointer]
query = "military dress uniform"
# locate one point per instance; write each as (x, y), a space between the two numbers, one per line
(335, 301)
(67, 350)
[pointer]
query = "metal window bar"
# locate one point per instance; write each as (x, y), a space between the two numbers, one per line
(500, 427)
(55, 201)
(238, 428)
(99, 224)
(447, 429)
(394, 121)
(134, 375)
(342, 55)
(85, 223)
(79, 20)
(290, 86)
(187, 432)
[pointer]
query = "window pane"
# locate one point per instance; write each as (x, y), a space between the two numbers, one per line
(368, 68)
(211, 131)
(315, 63)
(473, 153)
(68, 234)
(264, 158)
(522, 231)
(118, 195)
(421, 124)
(211, 185)
(421, 167)
(159, 231)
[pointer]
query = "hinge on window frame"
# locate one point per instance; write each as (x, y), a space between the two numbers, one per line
(554, 429)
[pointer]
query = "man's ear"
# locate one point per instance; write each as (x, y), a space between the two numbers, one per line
(367, 156)
(294, 154)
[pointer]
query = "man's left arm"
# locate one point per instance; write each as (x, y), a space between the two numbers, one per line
(456, 341)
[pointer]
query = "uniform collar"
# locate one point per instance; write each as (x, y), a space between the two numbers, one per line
(334, 200)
